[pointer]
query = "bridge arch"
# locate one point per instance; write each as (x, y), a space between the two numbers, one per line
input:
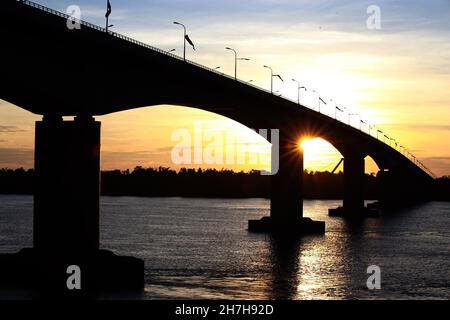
(241, 146)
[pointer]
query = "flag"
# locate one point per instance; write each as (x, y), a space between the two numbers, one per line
(189, 41)
(108, 9)
(277, 75)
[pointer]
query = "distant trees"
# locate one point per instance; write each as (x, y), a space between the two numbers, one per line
(18, 181)
(443, 188)
(162, 181)
(165, 182)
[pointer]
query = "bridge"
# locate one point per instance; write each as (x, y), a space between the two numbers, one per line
(53, 71)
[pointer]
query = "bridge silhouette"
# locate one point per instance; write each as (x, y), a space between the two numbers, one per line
(53, 71)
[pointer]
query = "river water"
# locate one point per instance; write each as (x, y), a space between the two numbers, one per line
(200, 248)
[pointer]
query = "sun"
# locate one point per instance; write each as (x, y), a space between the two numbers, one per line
(318, 154)
(312, 145)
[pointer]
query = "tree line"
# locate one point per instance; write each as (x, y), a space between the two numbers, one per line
(208, 183)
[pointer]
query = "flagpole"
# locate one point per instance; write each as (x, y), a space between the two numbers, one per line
(184, 44)
(271, 78)
(107, 16)
(108, 12)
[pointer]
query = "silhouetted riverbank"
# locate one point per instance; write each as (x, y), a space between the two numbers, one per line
(210, 183)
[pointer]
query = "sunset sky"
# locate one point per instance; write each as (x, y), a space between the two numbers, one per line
(396, 77)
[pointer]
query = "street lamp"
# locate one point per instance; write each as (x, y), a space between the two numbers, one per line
(218, 67)
(389, 139)
(320, 99)
(271, 78)
(184, 39)
(336, 109)
(235, 61)
(171, 50)
(362, 121)
(379, 131)
(298, 90)
(351, 114)
(342, 110)
(335, 106)
(395, 142)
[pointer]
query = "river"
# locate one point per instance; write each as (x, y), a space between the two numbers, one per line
(200, 248)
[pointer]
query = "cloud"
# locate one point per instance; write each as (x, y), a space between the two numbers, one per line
(440, 165)
(130, 159)
(421, 127)
(438, 158)
(16, 157)
(10, 129)
(89, 13)
(164, 149)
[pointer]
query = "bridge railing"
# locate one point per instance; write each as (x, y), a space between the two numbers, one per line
(407, 154)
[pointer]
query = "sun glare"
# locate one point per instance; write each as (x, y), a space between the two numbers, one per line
(319, 155)
(313, 145)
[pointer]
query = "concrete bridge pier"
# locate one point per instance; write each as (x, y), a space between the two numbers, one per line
(66, 216)
(353, 193)
(353, 200)
(67, 185)
(286, 201)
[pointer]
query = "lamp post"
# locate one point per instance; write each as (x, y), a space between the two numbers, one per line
(335, 106)
(342, 110)
(349, 115)
(379, 131)
(171, 50)
(184, 39)
(318, 95)
(320, 99)
(395, 142)
(389, 139)
(336, 109)
(362, 121)
(298, 90)
(235, 61)
(271, 78)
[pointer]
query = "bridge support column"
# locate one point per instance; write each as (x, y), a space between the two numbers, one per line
(286, 200)
(66, 217)
(353, 185)
(67, 181)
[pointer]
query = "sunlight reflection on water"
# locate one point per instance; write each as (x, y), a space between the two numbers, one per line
(200, 248)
